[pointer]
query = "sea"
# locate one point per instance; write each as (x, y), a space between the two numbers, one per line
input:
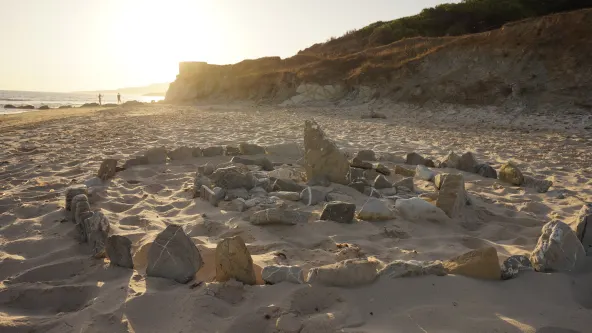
(55, 100)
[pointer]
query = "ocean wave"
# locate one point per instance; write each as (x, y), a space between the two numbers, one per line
(15, 99)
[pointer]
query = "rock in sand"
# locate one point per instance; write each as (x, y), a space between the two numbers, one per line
(119, 251)
(233, 261)
(584, 227)
(558, 249)
(181, 153)
(513, 265)
(347, 273)
(173, 255)
(97, 230)
(107, 169)
(481, 264)
(410, 268)
(322, 157)
(414, 159)
(417, 209)
(156, 155)
(278, 216)
(311, 196)
(375, 210)
(486, 170)
(422, 172)
(73, 191)
(510, 173)
(340, 212)
(467, 162)
(452, 196)
(366, 155)
(277, 274)
(250, 149)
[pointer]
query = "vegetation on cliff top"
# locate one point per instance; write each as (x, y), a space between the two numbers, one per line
(453, 19)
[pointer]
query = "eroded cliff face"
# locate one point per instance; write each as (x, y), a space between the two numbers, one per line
(542, 60)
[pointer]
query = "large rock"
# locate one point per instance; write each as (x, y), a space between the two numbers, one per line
(584, 227)
(287, 185)
(97, 230)
(250, 149)
(347, 273)
(322, 157)
(310, 196)
(277, 274)
(156, 155)
(510, 173)
(181, 153)
(355, 174)
(205, 169)
(237, 193)
(410, 268)
(213, 151)
(375, 210)
(481, 264)
(381, 183)
(231, 151)
(452, 197)
(278, 216)
(382, 169)
(173, 255)
(406, 183)
(450, 161)
(80, 208)
(233, 261)
(540, 185)
(417, 209)
(513, 265)
(107, 169)
(263, 162)
(80, 198)
(284, 195)
(340, 212)
(399, 170)
(467, 162)
(486, 170)
(414, 159)
(119, 251)
(232, 177)
(357, 162)
(558, 249)
(366, 155)
(73, 191)
(424, 173)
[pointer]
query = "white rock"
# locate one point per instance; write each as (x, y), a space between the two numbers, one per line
(416, 209)
(375, 210)
(423, 172)
(558, 249)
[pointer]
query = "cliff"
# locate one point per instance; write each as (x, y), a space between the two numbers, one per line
(540, 60)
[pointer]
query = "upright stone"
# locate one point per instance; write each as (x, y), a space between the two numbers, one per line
(156, 155)
(119, 251)
(173, 255)
(366, 155)
(81, 208)
(481, 264)
(73, 191)
(584, 227)
(233, 261)
(322, 157)
(97, 230)
(340, 212)
(485, 170)
(510, 173)
(450, 161)
(181, 153)
(414, 159)
(467, 162)
(74, 203)
(107, 169)
(452, 198)
(250, 149)
(558, 249)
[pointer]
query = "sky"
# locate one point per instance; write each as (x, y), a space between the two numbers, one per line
(76, 45)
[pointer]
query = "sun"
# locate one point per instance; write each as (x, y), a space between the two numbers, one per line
(154, 36)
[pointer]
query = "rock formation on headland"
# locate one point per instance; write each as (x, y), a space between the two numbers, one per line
(530, 62)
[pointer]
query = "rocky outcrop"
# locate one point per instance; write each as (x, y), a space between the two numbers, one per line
(322, 158)
(558, 249)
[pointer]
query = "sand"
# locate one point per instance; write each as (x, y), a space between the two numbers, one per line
(50, 283)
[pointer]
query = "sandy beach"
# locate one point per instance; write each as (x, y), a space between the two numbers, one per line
(51, 283)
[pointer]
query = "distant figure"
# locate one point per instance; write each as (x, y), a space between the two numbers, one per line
(100, 99)
(118, 98)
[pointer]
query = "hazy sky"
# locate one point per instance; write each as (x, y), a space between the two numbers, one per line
(70, 45)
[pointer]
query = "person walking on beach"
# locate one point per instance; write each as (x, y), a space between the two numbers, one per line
(100, 99)
(118, 98)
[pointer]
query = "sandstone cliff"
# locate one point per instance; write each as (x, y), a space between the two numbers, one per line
(541, 60)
